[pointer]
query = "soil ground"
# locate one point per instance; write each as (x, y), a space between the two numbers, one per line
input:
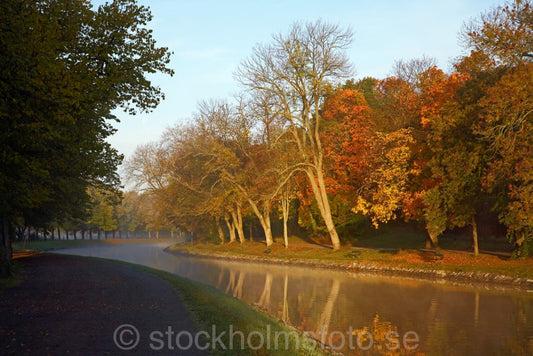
(72, 305)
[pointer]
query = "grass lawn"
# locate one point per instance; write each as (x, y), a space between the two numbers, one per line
(457, 261)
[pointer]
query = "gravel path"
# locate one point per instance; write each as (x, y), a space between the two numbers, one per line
(72, 305)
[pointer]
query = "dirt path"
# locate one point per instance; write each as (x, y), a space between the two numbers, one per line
(72, 305)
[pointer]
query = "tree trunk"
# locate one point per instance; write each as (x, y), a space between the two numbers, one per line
(434, 239)
(319, 190)
(237, 221)
(285, 201)
(5, 248)
(264, 219)
(231, 228)
(58, 233)
(220, 231)
(474, 236)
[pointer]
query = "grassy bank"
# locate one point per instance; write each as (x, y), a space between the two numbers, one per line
(446, 260)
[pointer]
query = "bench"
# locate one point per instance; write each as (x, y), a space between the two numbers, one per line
(431, 255)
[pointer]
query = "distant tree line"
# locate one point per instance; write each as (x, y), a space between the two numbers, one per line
(109, 215)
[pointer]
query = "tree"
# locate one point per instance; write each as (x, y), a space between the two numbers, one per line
(507, 126)
(295, 70)
(500, 62)
(504, 33)
(102, 214)
(65, 68)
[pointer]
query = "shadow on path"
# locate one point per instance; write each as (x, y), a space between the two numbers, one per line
(75, 305)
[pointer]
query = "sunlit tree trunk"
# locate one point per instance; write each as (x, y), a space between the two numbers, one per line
(474, 236)
(237, 221)
(264, 219)
(231, 228)
(285, 203)
(318, 186)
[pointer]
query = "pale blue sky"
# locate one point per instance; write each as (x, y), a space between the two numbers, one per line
(210, 38)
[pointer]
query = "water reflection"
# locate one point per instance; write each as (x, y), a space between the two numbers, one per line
(346, 309)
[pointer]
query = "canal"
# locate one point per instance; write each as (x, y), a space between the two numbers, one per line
(355, 312)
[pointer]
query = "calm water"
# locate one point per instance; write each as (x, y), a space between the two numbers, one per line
(346, 309)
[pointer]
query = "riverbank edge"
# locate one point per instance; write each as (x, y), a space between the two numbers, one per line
(435, 275)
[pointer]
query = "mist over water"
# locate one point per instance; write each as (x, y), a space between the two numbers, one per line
(446, 318)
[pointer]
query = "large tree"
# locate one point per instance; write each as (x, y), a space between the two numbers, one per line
(65, 67)
(295, 70)
(501, 65)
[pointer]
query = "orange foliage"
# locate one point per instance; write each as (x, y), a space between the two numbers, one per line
(347, 140)
(437, 89)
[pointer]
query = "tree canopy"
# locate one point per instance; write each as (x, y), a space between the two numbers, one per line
(65, 67)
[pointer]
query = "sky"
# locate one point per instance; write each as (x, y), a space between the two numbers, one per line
(209, 39)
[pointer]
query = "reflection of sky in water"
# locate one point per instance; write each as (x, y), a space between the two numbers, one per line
(447, 318)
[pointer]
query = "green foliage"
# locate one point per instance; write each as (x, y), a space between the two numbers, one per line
(65, 68)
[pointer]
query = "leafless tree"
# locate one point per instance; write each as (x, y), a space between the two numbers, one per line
(295, 70)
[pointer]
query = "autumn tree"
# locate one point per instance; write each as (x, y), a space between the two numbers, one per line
(500, 62)
(503, 33)
(506, 112)
(458, 158)
(295, 70)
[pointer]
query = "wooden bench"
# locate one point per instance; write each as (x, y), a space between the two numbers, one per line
(431, 255)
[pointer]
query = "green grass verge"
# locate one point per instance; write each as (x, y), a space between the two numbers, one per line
(209, 307)
(49, 245)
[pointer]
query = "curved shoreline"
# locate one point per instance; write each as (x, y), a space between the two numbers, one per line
(468, 278)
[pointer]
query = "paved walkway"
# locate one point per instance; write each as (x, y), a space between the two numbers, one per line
(72, 305)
